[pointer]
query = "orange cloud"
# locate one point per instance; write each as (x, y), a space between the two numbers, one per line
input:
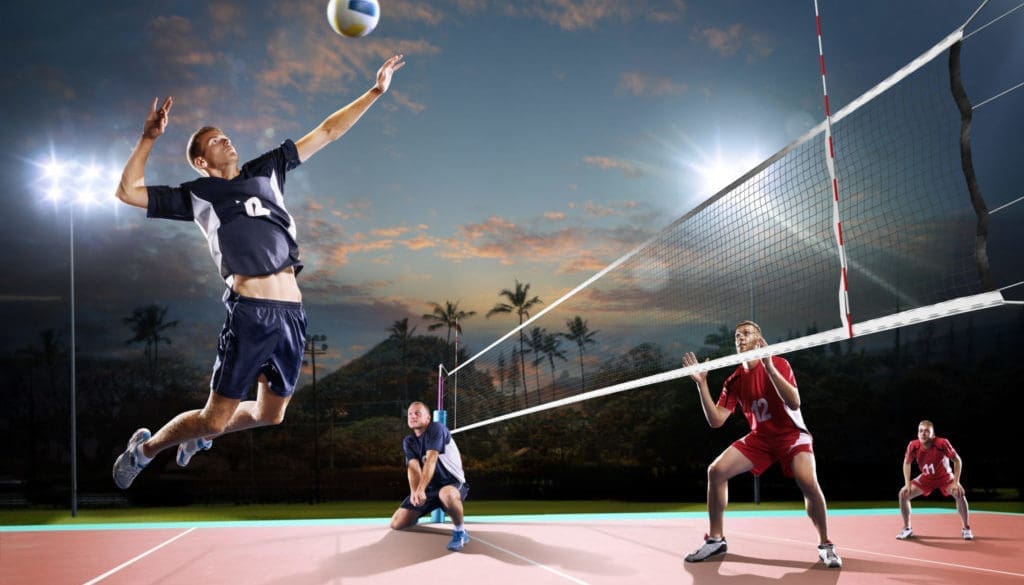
(604, 162)
(583, 14)
(640, 84)
(729, 41)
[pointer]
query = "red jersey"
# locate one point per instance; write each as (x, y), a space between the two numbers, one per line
(754, 392)
(934, 462)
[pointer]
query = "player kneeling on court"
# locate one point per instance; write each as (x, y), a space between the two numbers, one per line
(940, 467)
(436, 480)
(766, 391)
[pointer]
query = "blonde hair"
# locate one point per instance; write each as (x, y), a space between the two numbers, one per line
(751, 323)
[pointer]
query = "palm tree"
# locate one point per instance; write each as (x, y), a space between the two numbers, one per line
(536, 344)
(580, 334)
(502, 373)
(448, 316)
(519, 303)
(148, 325)
(552, 350)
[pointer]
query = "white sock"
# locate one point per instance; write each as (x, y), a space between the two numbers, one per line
(460, 527)
(140, 457)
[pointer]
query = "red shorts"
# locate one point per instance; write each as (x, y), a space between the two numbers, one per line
(764, 450)
(930, 483)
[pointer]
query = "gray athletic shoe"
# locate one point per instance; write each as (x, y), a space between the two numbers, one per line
(905, 534)
(710, 548)
(189, 448)
(827, 554)
(127, 466)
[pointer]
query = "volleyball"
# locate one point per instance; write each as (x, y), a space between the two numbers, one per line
(353, 18)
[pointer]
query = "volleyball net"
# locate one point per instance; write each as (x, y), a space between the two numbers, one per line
(905, 242)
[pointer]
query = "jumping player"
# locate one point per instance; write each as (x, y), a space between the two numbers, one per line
(940, 468)
(251, 236)
(766, 391)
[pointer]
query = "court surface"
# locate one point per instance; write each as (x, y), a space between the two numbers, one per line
(535, 550)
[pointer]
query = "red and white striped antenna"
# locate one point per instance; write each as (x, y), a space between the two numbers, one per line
(830, 159)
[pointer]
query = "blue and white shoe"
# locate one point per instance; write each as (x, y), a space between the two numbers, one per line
(459, 540)
(128, 466)
(189, 448)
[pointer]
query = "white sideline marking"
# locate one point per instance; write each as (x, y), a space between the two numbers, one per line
(147, 553)
(531, 561)
(881, 554)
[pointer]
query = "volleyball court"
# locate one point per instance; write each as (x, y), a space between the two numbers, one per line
(873, 220)
(581, 549)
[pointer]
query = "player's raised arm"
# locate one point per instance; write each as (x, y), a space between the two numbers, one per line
(338, 123)
(715, 415)
(132, 188)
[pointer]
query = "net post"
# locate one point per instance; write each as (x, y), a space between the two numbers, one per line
(441, 416)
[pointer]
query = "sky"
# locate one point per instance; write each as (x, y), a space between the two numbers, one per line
(529, 141)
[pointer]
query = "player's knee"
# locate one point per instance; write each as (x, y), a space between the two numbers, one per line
(715, 473)
(272, 418)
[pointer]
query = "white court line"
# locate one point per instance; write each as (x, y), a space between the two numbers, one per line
(531, 561)
(879, 554)
(126, 563)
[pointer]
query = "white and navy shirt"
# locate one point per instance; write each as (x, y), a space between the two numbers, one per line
(449, 462)
(244, 219)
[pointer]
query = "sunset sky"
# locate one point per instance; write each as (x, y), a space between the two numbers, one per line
(536, 141)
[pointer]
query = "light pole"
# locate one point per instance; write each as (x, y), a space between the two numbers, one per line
(83, 186)
(313, 350)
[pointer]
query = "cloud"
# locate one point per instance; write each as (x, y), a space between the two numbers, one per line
(391, 232)
(735, 38)
(421, 12)
(586, 14)
(178, 43)
(640, 84)
(628, 168)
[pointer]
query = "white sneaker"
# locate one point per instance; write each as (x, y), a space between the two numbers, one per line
(968, 535)
(827, 554)
(128, 466)
(189, 448)
(905, 534)
(710, 548)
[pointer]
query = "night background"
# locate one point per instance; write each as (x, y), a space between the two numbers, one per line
(526, 142)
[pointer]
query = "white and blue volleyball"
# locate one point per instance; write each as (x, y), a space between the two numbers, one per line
(353, 18)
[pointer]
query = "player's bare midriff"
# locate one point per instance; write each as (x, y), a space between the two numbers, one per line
(277, 287)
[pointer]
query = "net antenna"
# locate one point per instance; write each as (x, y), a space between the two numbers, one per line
(906, 232)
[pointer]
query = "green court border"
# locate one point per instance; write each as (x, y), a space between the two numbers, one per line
(503, 518)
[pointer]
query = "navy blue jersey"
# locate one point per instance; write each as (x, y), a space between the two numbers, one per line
(244, 219)
(449, 462)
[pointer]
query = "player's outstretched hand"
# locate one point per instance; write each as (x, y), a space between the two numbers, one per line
(386, 71)
(156, 121)
(689, 359)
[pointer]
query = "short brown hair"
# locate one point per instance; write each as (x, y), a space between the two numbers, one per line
(195, 147)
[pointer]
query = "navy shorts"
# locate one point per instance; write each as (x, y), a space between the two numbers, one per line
(259, 337)
(434, 499)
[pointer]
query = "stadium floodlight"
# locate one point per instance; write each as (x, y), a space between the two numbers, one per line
(75, 184)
